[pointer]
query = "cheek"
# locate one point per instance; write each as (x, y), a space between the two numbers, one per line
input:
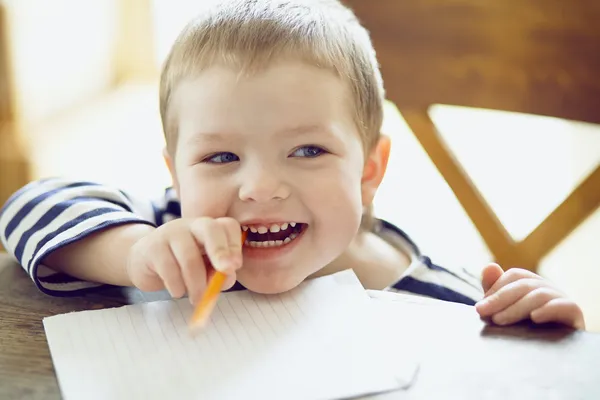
(336, 208)
(201, 196)
(336, 197)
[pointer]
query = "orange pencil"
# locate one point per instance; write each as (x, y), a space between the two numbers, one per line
(209, 300)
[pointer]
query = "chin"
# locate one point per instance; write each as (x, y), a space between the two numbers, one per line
(270, 284)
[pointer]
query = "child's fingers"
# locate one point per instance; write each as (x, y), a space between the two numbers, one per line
(189, 257)
(506, 296)
(489, 275)
(522, 308)
(215, 239)
(510, 276)
(164, 263)
(230, 279)
(233, 230)
(145, 277)
(559, 310)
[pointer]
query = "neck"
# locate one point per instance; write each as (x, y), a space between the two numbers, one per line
(376, 263)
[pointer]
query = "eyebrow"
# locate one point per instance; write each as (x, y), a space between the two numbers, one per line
(219, 137)
(303, 130)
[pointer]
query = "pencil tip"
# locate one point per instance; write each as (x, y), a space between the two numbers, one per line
(196, 326)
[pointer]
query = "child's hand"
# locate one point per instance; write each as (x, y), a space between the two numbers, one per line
(518, 294)
(180, 255)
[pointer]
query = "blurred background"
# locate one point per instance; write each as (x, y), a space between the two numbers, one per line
(513, 96)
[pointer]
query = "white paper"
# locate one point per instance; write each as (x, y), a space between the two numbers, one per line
(314, 342)
(415, 324)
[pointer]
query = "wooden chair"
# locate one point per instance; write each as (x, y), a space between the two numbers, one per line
(532, 56)
(14, 165)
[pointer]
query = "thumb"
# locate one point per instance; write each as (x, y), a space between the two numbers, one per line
(490, 275)
(230, 277)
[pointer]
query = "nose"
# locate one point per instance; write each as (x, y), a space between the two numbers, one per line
(261, 184)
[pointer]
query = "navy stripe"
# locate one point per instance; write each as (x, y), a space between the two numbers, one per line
(16, 195)
(51, 215)
(93, 288)
(24, 189)
(158, 215)
(470, 274)
(236, 287)
(427, 261)
(44, 221)
(58, 278)
(174, 208)
(26, 209)
(126, 196)
(410, 284)
(391, 227)
(68, 225)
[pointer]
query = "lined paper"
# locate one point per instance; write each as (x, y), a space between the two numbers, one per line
(309, 343)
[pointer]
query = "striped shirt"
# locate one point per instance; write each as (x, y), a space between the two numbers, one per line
(48, 214)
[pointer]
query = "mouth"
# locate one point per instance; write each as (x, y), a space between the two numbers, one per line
(274, 235)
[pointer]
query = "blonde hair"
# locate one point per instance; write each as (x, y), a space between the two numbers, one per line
(249, 34)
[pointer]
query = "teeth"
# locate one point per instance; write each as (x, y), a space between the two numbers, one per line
(274, 228)
(271, 243)
(266, 243)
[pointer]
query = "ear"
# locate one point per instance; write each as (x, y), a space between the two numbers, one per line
(375, 168)
(171, 166)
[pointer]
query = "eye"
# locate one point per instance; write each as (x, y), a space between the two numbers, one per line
(221, 158)
(308, 152)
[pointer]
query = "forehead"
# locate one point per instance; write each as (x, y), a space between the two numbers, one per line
(223, 98)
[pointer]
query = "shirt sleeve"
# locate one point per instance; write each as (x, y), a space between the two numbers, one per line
(425, 278)
(46, 215)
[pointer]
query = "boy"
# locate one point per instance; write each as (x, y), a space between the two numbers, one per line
(272, 113)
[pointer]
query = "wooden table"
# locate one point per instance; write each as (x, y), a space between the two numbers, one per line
(460, 356)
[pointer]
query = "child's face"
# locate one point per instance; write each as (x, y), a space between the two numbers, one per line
(274, 148)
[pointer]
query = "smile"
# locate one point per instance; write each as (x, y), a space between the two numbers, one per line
(274, 235)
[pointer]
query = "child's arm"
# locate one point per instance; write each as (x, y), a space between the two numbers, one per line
(70, 225)
(509, 297)
(100, 257)
(425, 278)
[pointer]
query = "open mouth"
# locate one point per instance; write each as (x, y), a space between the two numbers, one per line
(276, 235)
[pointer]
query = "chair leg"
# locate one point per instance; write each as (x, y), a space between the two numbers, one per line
(580, 204)
(506, 252)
